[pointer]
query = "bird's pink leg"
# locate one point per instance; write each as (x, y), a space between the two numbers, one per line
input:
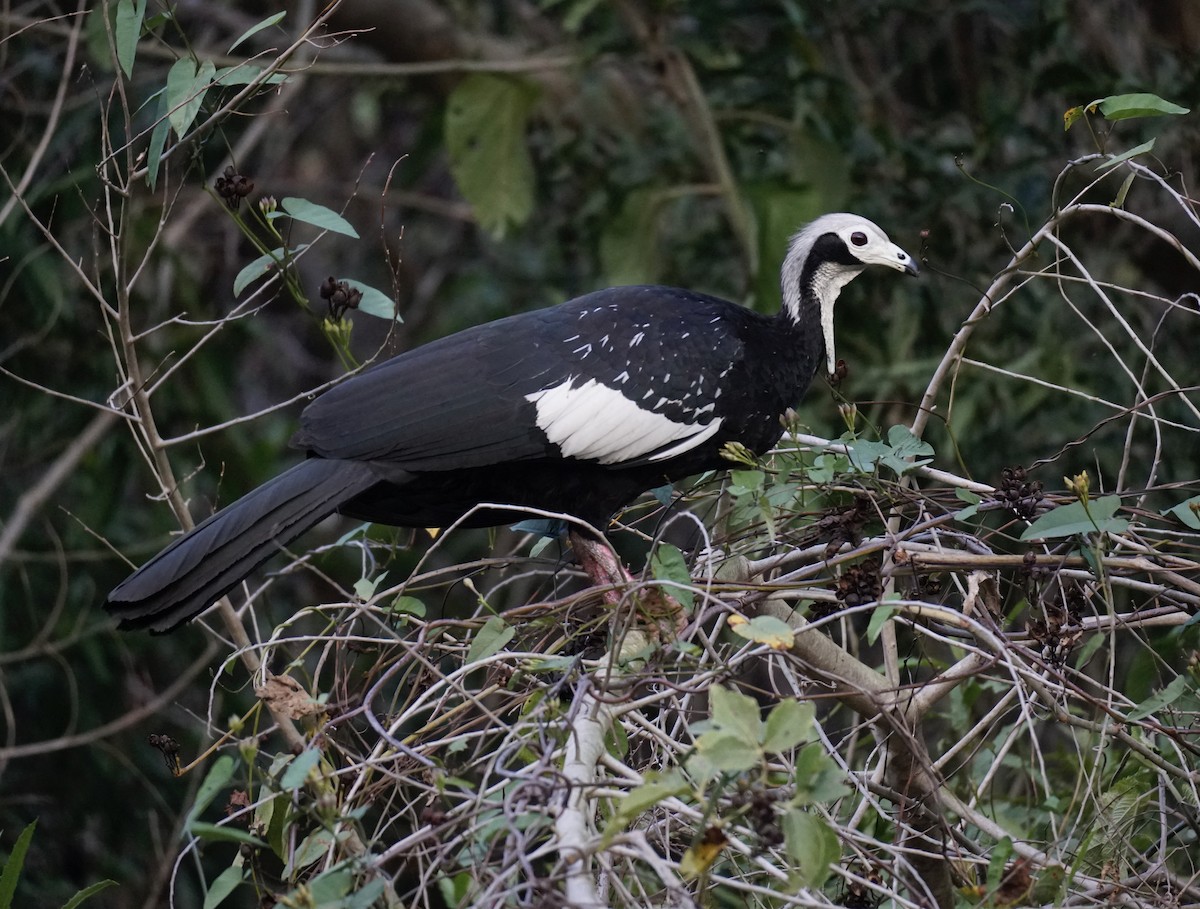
(657, 609)
(601, 564)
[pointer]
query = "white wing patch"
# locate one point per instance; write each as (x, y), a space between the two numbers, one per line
(597, 423)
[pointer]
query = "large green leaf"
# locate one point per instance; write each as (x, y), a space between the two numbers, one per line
(668, 564)
(812, 845)
(735, 712)
(186, 86)
(11, 872)
(486, 118)
(318, 216)
(227, 881)
(788, 724)
(491, 639)
(1073, 519)
(127, 29)
(1156, 702)
(218, 776)
(1187, 511)
(1139, 104)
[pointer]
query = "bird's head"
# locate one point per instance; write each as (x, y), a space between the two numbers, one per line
(824, 257)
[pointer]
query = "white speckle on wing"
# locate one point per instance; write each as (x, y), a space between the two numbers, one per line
(570, 339)
(583, 351)
(594, 422)
(622, 377)
(637, 339)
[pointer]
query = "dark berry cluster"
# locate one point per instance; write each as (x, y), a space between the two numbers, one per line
(340, 296)
(233, 187)
(860, 584)
(759, 813)
(1018, 493)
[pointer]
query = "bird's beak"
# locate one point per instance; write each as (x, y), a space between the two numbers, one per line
(902, 261)
(891, 256)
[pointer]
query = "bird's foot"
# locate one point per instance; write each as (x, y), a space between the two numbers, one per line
(657, 608)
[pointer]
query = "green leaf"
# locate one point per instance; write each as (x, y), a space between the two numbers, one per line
(227, 881)
(812, 845)
(87, 893)
(818, 777)
(1001, 853)
(1119, 199)
(297, 771)
(743, 481)
(318, 216)
(788, 724)
(725, 751)
(364, 588)
(1186, 512)
(1140, 104)
(367, 896)
(879, 617)
(1088, 650)
(310, 850)
(12, 868)
(654, 788)
(409, 606)
(261, 266)
(1156, 702)
(256, 28)
(491, 639)
(1125, 156)
(668, 564)
(127, 30)
(735, 712)
(186, 86)
(375, 302)
(1072, 519)
(901, 453)
(972, 509)
(908, 452)
(224, 833)
(329, 887)
(218, 776)
(158, 140)
(486, 118)
(764, 629)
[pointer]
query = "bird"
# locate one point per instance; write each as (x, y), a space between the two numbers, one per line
(574, 409)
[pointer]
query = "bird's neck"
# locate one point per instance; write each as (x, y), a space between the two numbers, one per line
(808, 301)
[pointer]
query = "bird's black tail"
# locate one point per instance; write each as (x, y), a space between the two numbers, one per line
(201, 566)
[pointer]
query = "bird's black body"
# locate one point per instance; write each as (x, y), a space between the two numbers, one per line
(448, 452)
(577, 408)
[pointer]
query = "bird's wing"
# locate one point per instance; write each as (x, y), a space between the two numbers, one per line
(625, 375)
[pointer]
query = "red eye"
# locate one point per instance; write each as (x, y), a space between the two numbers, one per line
(858, 238)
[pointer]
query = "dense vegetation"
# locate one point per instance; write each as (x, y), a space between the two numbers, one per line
(940, 648)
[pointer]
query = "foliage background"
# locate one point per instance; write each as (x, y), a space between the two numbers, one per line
(927, 117)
